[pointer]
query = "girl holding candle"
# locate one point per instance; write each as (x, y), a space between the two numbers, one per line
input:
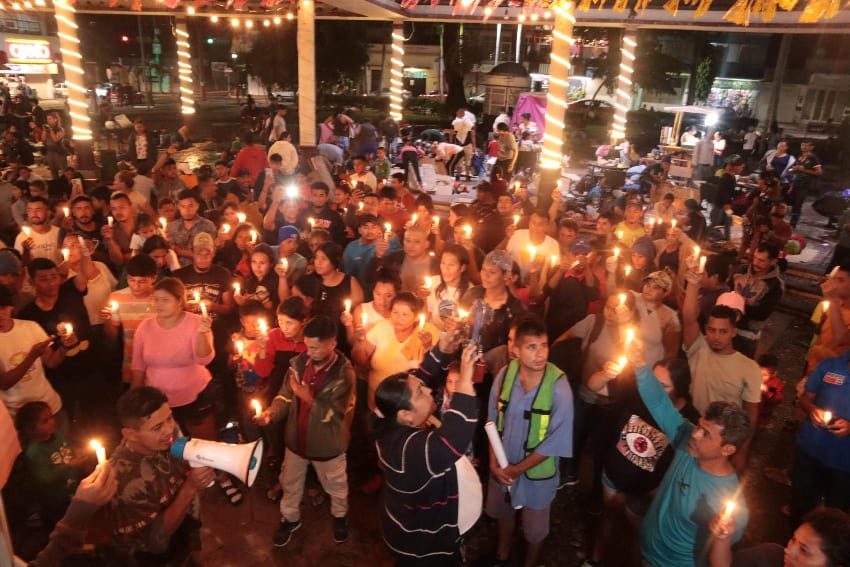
(452, 283)
(263, 283)
(235, 253)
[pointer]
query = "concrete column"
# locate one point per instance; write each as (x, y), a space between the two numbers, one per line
(623, 101)
(397, 71)
(184, 68)
(306, 74)
(69, 46)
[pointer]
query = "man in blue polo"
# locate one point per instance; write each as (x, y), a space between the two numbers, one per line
(358, 254)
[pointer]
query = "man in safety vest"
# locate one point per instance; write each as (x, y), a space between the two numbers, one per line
(532, 406)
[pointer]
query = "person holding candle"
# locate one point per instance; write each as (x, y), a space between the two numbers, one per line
(632, 226)
(821, 469)
(536, 235)
(235, 253)
(389, 210)
(760, 283)
(249, 344)
(673, 254)
(100, 284)
(447, 289)
(85, 222)
(41, 240)
(629, 274)
(325, 216)
(263, 283)
(832, 335)
(572, 285)
(213, 283)
(413, 263)
(126, 308)
(182, 232)
(119, 233)
(316, 400)
(289, 238)
(659, 327)
(701, 477)
(358, 254)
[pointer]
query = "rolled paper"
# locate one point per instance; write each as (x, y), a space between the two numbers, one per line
(240, 346)
(225, 228)
(468, 230)
(827, 417)
(264, 327)
(421, 321)
(348, 306)
(204, 311)
(164, 224)
(702, 261)
(65, 254)
(253, 236)
(66, 212)
(237, 289)
(99, 451)
(241, 217)
(516, 220)
(258, 409)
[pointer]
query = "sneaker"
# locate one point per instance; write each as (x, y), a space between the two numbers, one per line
(340, 529)
(568, 479)
(283, 533)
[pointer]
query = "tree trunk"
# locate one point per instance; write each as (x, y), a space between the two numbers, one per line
(454, 70)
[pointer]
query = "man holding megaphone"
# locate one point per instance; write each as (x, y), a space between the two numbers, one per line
(155, 509)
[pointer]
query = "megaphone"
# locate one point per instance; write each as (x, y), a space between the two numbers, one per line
(242, 461)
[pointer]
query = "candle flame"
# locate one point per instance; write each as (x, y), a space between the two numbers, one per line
(429, 282)
(258, 409)
(348, 306)
(622, 298)
(241, 217)
(729, 509)
(113, 306)
(630, 336)
(827, 417)
(421, 321)
(616, 251)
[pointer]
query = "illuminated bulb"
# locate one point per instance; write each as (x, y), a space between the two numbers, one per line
(534, 17)
(276, 20)
(466, 3)
(266, 23)
(249, 24)
(488, 10)
(547, 14)
(190, 10)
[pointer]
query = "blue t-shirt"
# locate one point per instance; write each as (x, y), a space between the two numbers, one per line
(675, 531)
(830, 383)
(356, 259)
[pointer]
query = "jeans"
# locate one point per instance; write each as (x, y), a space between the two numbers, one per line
(408, 158)
(332, 476)
(796, 200)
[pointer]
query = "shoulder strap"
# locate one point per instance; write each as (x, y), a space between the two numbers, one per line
(505, 393)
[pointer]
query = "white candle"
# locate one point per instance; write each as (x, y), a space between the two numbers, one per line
(429, 281)
(436, 220)
(312, 222)
(113, 306)
(555, 260)
(258, 408)
(627, 270)
(622, 298)
(240, 346)
(621, 363)
(225, 228)
(65, 212)
(164, 223)
(702, 261)
(673, 223)
(827, 417)
(241, 217)
(616, 252)
(348, 306)
(65, 254)
(284, 263)
(696, 251)
(421, 321)
(99, 450)
(517, 186)
(516, 220)
(253, 237)
(461, 314)
(620, 234)
(204, 312)
(468, 230)
(109, 220)
(388, 228)
(237, 289)
(197, 296)
(263, 326)
(532, 252)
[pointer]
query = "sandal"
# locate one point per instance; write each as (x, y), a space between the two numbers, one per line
(231, 492)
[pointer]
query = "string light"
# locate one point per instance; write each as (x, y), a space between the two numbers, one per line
(397, 71)
(234, 22)
(277, 20)
(266, 23)
(214, 19)
(623, 96)
(184, 69)
(69, 45)
(290, 16)
(249, 23)
(190, 10)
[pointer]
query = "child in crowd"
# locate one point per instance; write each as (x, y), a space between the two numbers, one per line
(249, 344)
(381, 165)
(771, 386)
(145, 228)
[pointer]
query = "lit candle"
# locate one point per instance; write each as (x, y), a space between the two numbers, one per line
(421, 321)
(616, 252)
(109, 220)
(197, 296)
(258, 409)
(237, 289)
(414, 218)
(363, 318)
(461, 314)
(241, 217)
(516, 220)
(825, 306)
(696, 251)
(348, 306)
(429, 281)
(630, 336)
(65, 254)
(388, 227)
(728, 510)
(436, 220)
(253, 237)
(620, 234)
(702, 261)
(26, 230)
(468, 230)
(673, 223)
(65, 212)
(240, 346)
(69, 329)
(99, 450)
(113, 306)
(164, 224)
(627, 270)
(517, 186)
(204, 312)
(312, 222)
(225, 228)
(284, 264)
(532, 252)
(555, 260)
(263, 326)
(360, 206)
(827, 417)
(622, 362)
(622, 297)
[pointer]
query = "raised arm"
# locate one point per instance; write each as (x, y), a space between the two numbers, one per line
(690, 309)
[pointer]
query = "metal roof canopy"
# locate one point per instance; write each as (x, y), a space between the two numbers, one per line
(387, 10)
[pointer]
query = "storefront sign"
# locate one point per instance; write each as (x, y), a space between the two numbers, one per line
(26, 69)
(29, 51)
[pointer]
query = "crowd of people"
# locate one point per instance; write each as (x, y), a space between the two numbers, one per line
(469, 361)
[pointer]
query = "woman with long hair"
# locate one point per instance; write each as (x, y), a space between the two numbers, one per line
(452, 283)
(263, 283)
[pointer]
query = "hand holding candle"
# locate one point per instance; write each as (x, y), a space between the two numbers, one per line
(240, 347)
(348, 306)
(263, 326)
(421, 321)
(532, 252)
(164, 224)
(204, 312)
(109, 220)
(253, 236)
(66, 253)
(99, 451)
(258, 408)
(429, 281)
(827, 417)
(516, 220)
(225, 228)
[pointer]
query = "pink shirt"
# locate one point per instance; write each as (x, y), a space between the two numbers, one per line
(167, 356)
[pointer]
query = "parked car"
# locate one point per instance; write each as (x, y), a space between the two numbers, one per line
(479, 98)
(284, 95)
(60, 90)
(590, 110)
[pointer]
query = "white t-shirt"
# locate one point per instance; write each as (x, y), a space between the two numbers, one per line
(653, 324)
(750, 140)
(368, 178)
(518, 249)
(392, 356)
(144, 185)
(99, 289)
(432, 302)
(46, 245)
(722, 377)
(33, 387)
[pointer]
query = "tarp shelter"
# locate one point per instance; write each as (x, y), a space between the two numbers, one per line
(535, 105)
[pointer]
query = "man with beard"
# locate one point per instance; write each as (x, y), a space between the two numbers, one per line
(182, 232)
(40, 239)
(84, 222)
(119, 233)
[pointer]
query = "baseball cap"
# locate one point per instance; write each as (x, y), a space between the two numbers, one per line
(645, 247)
(287, 232)
(661, 279)
(203, 240)
(10, 265)
(731, 299)
(581, 247)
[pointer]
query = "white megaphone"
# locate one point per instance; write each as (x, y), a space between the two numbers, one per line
(242, 461)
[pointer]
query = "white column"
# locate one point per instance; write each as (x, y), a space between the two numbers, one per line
(556, 100)
(623, 101)
(498, 43)
(69, 46)
(184, 68)
(397, 71)
(306, 74)
(518, 42)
